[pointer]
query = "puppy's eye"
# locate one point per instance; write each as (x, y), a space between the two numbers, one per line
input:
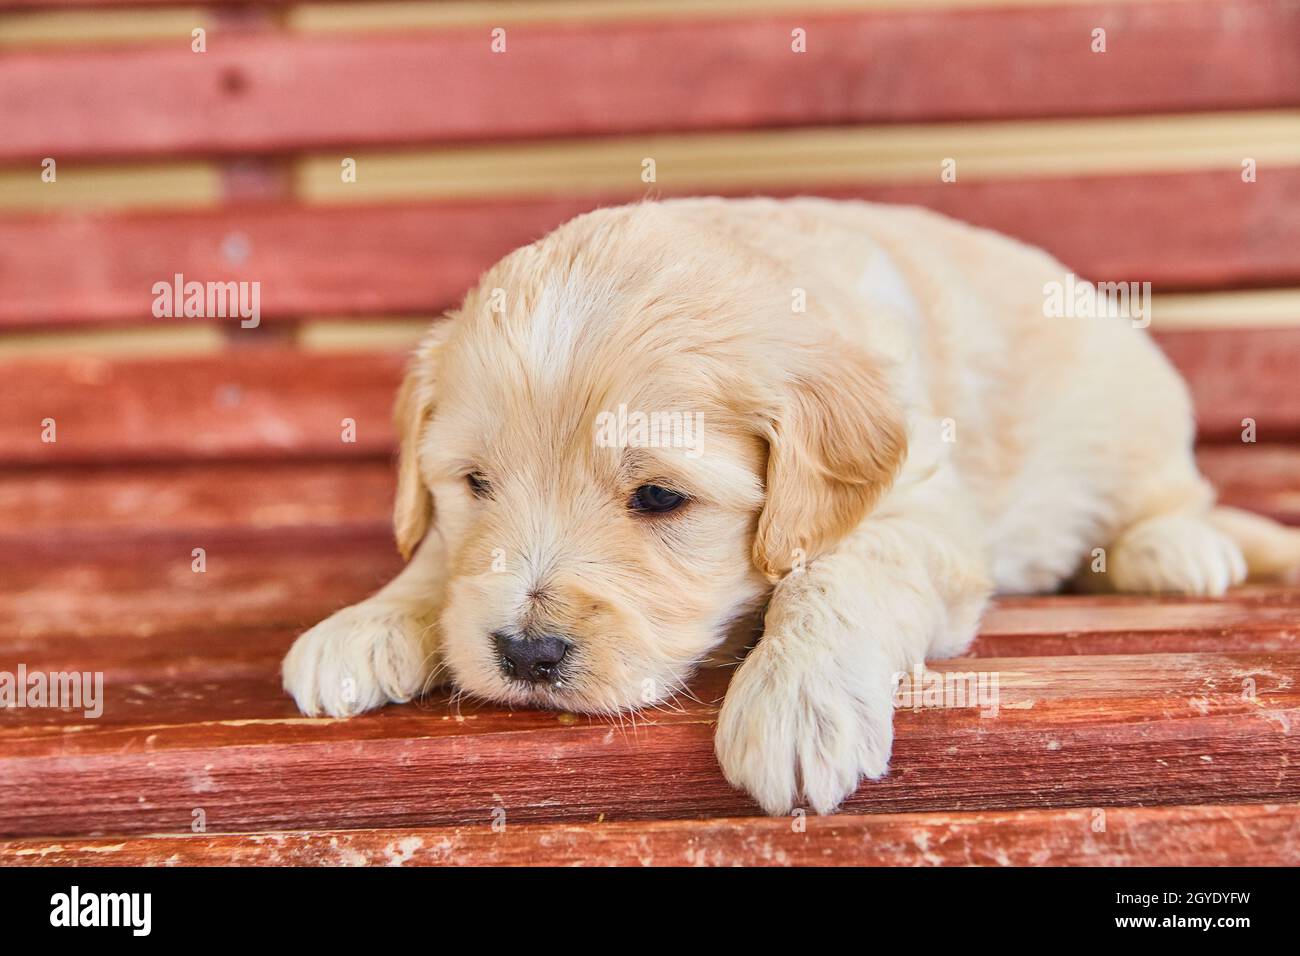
(655, 500)
(478, 485)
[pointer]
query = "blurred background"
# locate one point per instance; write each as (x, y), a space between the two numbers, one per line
(197, 491)
(363, 162)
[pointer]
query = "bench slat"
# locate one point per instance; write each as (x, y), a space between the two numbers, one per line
(1240, 374)
(273, 93)
(178, 501)
(99, 589)
(1251, 835)
(326, 260)
(59, 507)
(1071, 731)
(263, 403)
(1264, 478)
(249, 403)
(92, 583)
(1150, 704)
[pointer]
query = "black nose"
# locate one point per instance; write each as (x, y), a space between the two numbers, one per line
(531, 657)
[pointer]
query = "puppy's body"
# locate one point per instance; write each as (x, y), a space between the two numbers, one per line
(1062, 432)
(893, 429)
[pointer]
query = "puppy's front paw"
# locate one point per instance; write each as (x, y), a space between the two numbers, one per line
(358, 659)
(795, 720)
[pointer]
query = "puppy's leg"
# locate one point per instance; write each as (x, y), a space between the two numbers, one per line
(1169, 543)
(811, 708)
(374, 652)
(1177, 553)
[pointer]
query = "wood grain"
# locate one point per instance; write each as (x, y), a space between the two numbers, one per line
(295, 550)
(272, 93)
(290, 541)
(811, 158)
(270, 403)
(143, 185)
(101, 267)
(81, 505)
(102, 590)
(1263, 619)
(803, 158)
(1258, 835)
(92, 267)
(249, 403)
(1105, 702)
(1261, 477)
(1238, 377)
(1107, 730)
(103, 26)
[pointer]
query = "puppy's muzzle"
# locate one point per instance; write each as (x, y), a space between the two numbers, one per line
(535, 658)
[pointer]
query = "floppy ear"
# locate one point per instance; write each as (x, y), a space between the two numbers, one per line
(835, 441)
(413, 507)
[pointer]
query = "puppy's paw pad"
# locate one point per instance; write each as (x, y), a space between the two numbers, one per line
(358, 659)
(1176, 554)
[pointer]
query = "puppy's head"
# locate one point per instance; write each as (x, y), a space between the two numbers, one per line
(623, 438)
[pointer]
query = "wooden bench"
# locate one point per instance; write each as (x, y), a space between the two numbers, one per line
(1131, 731)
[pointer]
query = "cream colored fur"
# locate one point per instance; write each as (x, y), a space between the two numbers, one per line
(872, 469)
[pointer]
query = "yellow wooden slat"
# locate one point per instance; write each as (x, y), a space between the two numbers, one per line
(1266, 308)
(360, 335)
(811, 157)
(60, 27)
(742, 160)
(140, 186)
(163, 24)
(150, 340)
(388, 16)
(1254, 309)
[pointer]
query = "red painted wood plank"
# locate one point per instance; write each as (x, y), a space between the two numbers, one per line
(1259, 619)
(191, 663)
(276, 403)
(418, 258)
(1099, 731)
(84, 505)
(285, 92)
(62, 507)
(413, 258)
(251, 403)
(1143, 231)
(1261, 477)
(276, 560)
(104, 555)
(1249, 835)
(1238, 375)
(97, 595)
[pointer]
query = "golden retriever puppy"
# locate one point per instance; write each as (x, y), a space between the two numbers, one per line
(662, 418)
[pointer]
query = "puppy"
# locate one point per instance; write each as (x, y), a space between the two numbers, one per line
(885, 429)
